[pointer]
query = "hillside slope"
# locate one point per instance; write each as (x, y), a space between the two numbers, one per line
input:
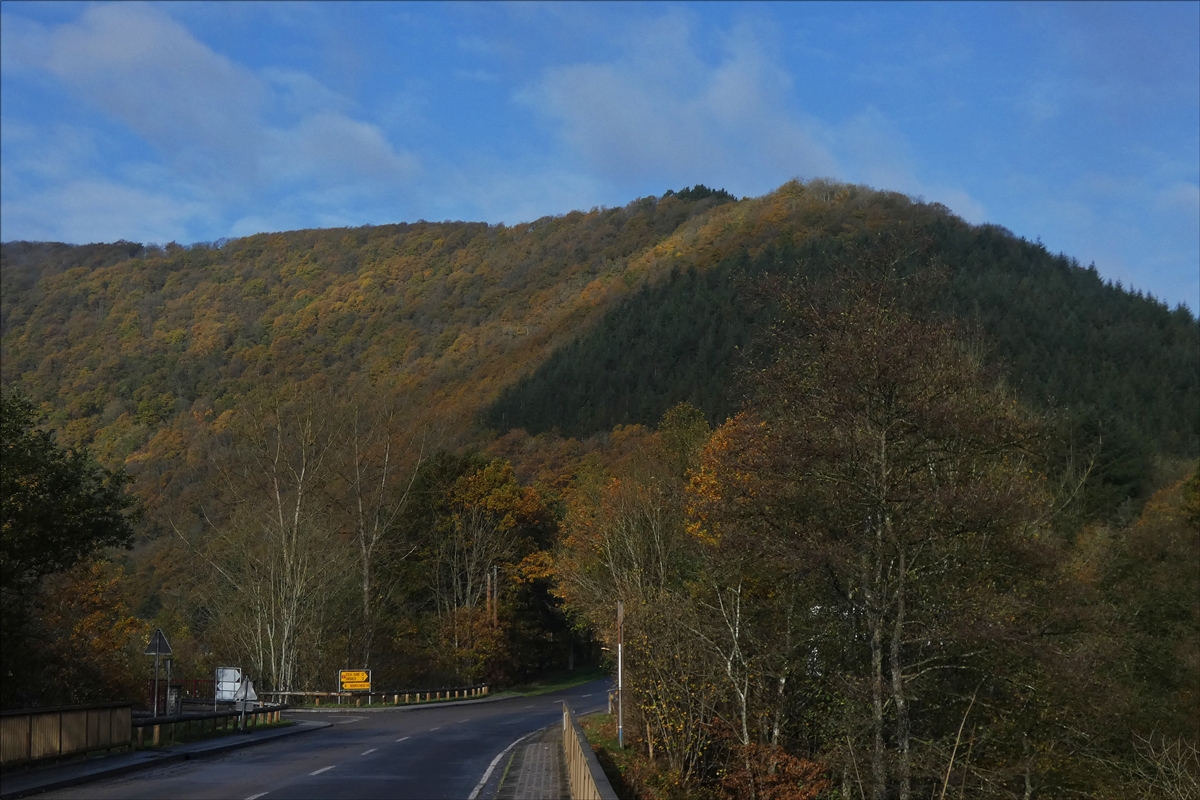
(575, 323)
(1066, 339)
(120, 347)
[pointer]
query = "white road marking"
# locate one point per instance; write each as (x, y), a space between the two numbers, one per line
(368, 752)
(529, 706)
(585, 695)
(256, 796)
(347, 720)
(479, 786)
(402, 738)
(322, 769)
(434, 729)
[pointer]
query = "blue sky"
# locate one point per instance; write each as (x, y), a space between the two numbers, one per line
(1076, 124)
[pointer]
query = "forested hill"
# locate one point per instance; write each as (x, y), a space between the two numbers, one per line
(1118, 361)
(576, 323)
(120, 341)
(344, 444)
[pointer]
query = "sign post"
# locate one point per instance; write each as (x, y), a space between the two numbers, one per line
(245, 696)
(158, 647)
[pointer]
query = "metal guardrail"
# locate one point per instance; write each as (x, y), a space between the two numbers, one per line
(37, 733)
(586, 778)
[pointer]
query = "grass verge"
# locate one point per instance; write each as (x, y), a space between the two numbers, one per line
(622, 767)
(557, 681)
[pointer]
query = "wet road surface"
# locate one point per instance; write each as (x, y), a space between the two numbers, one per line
(430, 752)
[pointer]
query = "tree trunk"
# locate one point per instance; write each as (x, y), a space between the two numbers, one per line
(1028, 768)
(877, 768)
(898, 698)
(875, 624)
(368, 623)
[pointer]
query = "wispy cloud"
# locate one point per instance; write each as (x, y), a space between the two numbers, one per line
(659, 111)
(875, 152)
(1073, 123)
(91, 210)
(223, 129)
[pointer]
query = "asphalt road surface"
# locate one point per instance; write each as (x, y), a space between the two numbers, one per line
(434, 752)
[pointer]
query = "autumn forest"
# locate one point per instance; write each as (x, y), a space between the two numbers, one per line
(897, 506)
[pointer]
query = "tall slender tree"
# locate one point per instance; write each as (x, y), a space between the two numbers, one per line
(883, 462)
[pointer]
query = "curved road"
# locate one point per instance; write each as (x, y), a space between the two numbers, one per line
(431, 752)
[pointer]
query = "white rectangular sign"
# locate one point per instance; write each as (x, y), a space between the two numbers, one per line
(227, 680)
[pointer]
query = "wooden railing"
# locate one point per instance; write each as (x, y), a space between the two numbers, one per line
(189, 690)
(406, 697)
(587, 779)
(33, 734)
(179, 727)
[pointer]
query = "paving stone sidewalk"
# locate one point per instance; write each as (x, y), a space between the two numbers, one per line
(537, 769)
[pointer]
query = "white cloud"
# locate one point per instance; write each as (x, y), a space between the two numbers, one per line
(660, 112)
(221, 130)
(98, 211)
(338, 149)
(144, 69)
(299, 93)
(1182, 197)
(37, 154)
(517, 193)
(22, 43)
(958, 201)
(876, 153)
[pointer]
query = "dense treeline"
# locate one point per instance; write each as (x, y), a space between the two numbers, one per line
(59, 509)
(872, 581)
(142, 339)
(673, 342)
(891, 500)
(774, 650)
(1124, 364)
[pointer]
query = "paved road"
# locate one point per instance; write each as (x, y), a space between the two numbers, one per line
(436, 752)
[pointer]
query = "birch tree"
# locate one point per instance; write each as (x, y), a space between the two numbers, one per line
(376, 463)
(274, 555)
(884, 459)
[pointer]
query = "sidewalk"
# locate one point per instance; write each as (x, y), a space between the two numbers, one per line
(537, 769)
(19, 783)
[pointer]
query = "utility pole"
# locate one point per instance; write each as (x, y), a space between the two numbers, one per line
(495, 597)
(620, 674)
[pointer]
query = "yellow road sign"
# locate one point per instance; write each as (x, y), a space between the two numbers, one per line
(354, 679)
